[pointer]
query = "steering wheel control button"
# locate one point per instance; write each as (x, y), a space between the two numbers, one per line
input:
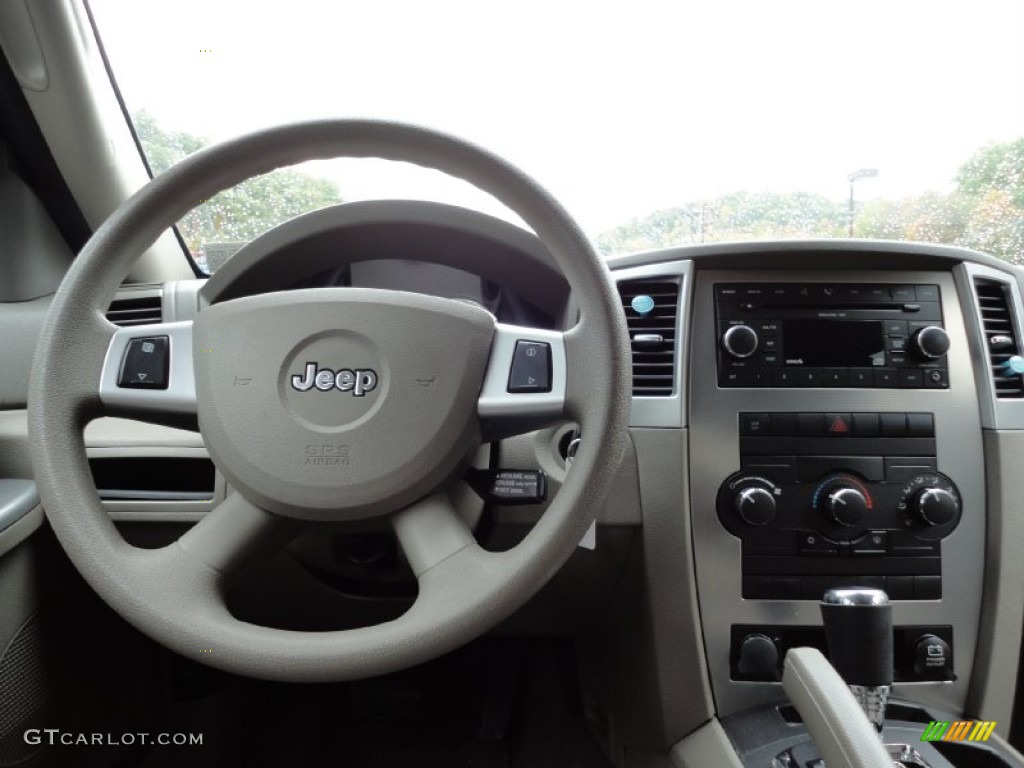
(531, 368)
(146, 363)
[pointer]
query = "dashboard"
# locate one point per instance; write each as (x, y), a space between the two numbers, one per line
(805, 415)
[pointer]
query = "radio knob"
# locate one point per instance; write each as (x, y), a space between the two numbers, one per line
(931, 342)
(755, 505)
(740, 341)
(846, 506)
(936, 506)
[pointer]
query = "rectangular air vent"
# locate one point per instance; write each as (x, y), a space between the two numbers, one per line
(153, 478)
(652, 333)
(136, 307)
(1000, 336)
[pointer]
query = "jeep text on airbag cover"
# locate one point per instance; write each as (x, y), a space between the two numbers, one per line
(358, 382)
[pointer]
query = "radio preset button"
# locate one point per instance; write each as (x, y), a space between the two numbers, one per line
(911, 378)
(885, 377)
(834, 377)
(861, 377)
(808, 377)
(904, 293)
(784, 377)
(927, 292)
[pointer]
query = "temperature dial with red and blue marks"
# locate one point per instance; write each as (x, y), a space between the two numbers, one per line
(844, 499)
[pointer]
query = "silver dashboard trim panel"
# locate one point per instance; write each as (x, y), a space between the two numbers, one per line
(714, 454)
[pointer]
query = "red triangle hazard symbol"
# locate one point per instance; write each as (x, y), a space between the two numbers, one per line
(839, 425)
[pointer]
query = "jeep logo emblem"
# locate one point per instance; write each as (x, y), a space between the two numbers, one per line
(358, 382)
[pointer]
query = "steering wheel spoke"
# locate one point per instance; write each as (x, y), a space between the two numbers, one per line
(234, 533)
(525, 384)
(148, 374)
(430, 531)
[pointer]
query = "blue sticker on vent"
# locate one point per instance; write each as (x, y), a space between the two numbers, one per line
(642, 304)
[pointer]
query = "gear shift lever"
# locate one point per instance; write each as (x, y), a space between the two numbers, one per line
(858, 627)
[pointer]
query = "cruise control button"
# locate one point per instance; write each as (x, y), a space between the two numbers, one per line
(531, 367)
(145, 364)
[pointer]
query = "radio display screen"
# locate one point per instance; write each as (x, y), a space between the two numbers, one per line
(833, 343)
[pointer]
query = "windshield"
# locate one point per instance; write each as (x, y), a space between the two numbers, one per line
(655, 123)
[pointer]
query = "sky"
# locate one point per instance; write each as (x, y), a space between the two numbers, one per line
(618, 108)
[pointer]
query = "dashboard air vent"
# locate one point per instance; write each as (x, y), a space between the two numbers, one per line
(652, 310)
(136, 307)
(1000, 337)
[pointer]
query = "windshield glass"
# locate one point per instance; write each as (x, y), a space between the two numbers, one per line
(655, 123)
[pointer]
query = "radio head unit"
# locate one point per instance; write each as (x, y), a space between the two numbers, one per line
(831, 335)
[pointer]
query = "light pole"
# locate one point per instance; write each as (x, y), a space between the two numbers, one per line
(863, 173)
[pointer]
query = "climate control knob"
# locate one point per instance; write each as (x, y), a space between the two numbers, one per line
(740, 341)
(936, 506)
(930, 342)
(755, 505)
(846, 506)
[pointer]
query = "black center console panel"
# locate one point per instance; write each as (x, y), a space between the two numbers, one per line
(826, 500)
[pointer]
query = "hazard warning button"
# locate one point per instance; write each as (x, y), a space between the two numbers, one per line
(838, 424)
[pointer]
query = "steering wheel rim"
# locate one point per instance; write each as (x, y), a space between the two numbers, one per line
(175, 594)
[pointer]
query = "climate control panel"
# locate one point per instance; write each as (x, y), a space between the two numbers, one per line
(825, 500)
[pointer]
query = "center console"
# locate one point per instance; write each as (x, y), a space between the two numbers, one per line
(836, 441)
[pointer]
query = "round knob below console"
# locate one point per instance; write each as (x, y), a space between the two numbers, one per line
(846, 505)
(740, 341)
(756, 506)
(936, 506)
(930, 342)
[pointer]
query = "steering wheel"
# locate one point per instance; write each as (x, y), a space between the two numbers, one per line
(326, 404)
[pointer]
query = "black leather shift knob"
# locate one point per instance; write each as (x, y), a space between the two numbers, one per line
(858, 627)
